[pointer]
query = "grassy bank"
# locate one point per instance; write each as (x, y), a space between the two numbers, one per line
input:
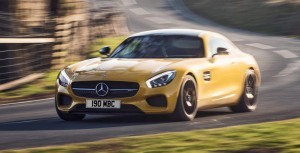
(282, 136)
(113, 42)
(40, 88)
(279, 17)
(44, 87)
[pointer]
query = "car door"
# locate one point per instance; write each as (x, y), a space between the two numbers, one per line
(223, 69)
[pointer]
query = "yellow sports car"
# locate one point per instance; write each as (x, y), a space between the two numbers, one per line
(171, 71)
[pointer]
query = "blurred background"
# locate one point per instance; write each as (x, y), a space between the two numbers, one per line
(40, 37)
(275, 17)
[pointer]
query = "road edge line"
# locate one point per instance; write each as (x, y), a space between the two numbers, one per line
(26, 102)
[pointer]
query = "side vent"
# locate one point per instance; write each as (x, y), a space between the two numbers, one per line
(206, 76)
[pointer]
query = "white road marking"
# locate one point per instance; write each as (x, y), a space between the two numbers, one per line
(286, 53)
(158, 20)
(235, 39)
(290, 68)
(129, 2)
(18, 122)
(139, 11)
(25, 102)
(260, 46)
(215, 120)
(194, 123)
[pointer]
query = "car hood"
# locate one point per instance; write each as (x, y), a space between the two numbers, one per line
(142, 66)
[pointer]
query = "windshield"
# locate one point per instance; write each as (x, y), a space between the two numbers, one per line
(160, 46)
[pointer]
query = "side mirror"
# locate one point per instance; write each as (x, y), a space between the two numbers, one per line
(221, 51)
(105, 50)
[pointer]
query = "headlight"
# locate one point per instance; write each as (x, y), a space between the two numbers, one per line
(63, 79)
(161, 79)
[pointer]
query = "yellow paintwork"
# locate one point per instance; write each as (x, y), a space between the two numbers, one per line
(224, 89)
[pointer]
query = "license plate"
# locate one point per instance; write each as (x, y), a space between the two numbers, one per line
(103, 103)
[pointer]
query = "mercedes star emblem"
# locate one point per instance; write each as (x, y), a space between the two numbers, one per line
(102, 89)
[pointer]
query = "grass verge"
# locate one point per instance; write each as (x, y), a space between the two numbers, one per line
(39, 88)
(281, 136)
(113, 42)
(45, 86)
(279, 17)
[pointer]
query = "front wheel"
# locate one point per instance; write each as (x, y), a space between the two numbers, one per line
(248, 101)
(186, 107)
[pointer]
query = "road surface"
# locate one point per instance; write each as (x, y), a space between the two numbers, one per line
(35, 123)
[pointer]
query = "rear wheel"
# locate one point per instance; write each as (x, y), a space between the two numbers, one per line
(186, 107)
(68, 116)
(248, 101)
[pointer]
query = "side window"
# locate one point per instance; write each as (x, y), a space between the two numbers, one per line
(215, 43)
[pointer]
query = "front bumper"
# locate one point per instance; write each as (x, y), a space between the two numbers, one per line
(138, 103)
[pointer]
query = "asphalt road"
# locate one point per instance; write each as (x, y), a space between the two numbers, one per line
(33, 124)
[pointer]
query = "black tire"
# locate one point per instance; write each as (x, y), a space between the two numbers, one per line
(66, 116)
(186, 107)
(248, 100)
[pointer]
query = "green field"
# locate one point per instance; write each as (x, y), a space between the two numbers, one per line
(281, 136)
(112, 42)
(39, 88)
(279, 17)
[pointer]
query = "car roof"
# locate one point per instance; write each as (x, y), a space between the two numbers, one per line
(183, 32)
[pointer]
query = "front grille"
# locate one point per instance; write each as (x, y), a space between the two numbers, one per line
(125, 108)
(117, 89)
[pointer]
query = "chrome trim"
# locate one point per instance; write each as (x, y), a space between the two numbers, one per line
(123, 89)
(102, 88)
(83, 89)
(87, 89)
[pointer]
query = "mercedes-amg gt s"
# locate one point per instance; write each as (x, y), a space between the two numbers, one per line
(170, 71)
